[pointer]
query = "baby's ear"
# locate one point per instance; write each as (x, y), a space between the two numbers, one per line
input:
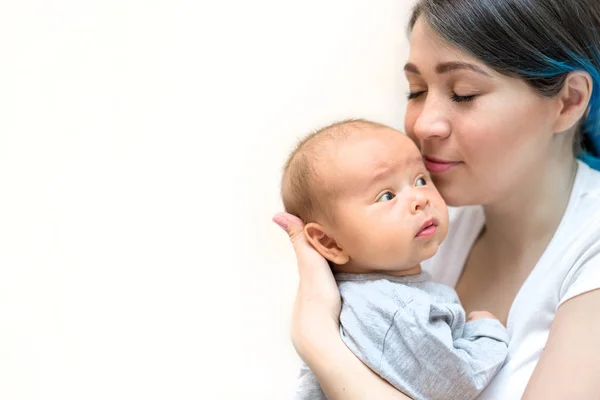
(325, 244)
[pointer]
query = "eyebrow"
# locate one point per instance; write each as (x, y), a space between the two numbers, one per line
(445, 68)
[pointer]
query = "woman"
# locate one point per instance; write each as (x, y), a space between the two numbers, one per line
(504, 94)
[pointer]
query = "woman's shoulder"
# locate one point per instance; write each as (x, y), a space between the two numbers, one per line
(575, 251)
(578, 235)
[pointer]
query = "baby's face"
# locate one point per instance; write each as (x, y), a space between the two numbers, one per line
(388, 214)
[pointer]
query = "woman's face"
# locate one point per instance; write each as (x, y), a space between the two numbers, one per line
(485, 136)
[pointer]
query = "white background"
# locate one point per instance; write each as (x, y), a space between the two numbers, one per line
(141, 144)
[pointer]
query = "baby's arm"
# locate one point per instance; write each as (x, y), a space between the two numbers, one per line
(424, 356)
(308, 387)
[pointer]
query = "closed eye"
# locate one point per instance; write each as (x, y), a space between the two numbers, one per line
(462, 99)
(414, 95)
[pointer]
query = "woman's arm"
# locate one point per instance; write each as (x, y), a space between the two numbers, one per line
(569, 367)
(315, 327)
(344, 377)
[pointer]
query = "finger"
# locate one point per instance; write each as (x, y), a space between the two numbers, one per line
(485, 314)
(290, 223)
(479, 315)
(308, 257)
(295, 230)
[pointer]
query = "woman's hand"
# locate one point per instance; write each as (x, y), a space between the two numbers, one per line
(317, 306)
(315, 327)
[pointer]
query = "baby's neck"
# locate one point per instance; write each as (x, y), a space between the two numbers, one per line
(416, 270)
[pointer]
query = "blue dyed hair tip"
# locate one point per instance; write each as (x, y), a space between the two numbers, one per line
(593, 162)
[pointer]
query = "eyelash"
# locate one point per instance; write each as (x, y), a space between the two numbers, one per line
(456, 98)
(462, 99)
(414, 95)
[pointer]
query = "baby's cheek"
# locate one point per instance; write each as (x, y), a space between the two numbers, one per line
(440, 207)
(397, 250)
(372, 251)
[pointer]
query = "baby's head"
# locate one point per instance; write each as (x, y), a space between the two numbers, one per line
(366, 198)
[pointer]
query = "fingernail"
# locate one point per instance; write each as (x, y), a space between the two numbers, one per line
(280, 220)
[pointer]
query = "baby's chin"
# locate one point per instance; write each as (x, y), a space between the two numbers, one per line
(429, 251)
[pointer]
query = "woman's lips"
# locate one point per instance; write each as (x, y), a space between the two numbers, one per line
(437, 166)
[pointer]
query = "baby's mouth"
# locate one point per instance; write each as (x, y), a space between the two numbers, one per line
(428, 228)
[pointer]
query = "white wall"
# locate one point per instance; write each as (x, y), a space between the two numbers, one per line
(140, 152)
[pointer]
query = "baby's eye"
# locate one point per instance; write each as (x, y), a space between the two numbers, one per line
(387, 196)
(421, 182)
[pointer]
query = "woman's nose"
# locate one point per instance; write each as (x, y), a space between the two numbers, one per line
(432, 122)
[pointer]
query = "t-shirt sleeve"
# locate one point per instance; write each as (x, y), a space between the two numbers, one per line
(584, 278)
(421, 358)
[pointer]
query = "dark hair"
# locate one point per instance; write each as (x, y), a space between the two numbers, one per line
(540, 41)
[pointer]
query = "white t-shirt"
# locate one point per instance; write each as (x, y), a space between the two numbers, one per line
(569, 266)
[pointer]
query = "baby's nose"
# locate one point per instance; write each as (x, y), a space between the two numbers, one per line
(419, 203)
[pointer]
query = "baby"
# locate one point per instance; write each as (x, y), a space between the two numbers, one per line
(371, 210)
